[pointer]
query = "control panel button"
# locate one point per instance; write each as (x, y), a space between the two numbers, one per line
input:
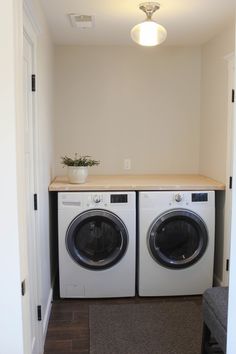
(97, 199)
(178, 197)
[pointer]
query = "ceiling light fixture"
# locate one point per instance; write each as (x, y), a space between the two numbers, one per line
(148, 33)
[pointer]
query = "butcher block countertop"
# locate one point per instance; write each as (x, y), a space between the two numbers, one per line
(138, 183)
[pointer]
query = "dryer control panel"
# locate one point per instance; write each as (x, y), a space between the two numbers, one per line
(163, 200)
(181, 198)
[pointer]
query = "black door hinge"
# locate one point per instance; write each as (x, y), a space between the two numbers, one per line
(33, 83)
(233, 96)
(23, 288)
(39, 312)
(35, 202)
(227, 265)
(230, 182)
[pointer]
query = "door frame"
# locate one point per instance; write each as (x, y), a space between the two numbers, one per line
(31, 35)
(229, 170)
(231, 338)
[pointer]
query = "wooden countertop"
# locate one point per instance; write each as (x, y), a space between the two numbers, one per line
(138, 183)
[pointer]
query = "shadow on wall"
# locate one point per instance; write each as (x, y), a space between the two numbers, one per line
(219, 237)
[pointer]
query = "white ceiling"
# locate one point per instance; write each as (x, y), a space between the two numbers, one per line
(188, 22)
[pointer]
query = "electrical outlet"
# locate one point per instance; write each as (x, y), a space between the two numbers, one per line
(127, 164)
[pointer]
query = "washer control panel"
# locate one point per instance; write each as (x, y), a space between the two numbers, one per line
(100, 199)
(122, 200)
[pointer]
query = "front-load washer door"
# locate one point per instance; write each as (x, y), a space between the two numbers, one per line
(97, 239)
(177, 239)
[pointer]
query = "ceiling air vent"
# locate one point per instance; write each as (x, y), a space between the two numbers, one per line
(81, 21)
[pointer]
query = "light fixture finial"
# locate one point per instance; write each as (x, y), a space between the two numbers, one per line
(148, 33)
(149, 8)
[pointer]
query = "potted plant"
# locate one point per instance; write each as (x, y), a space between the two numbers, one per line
(77, 167)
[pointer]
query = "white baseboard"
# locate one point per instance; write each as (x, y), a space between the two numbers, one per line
(47, 315)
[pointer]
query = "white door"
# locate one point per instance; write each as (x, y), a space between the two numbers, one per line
(32, 325)
(229, 170)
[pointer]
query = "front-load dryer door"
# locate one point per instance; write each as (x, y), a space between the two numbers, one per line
(97, 239)
(177, 239)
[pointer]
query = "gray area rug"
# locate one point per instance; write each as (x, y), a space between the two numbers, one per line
(167, 327)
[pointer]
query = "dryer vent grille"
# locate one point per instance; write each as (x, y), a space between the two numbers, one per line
(81, 21)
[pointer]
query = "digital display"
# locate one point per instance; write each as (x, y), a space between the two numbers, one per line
(119, 198)
(199, 197)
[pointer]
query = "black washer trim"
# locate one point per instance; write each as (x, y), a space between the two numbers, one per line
(86, 262)
(159, 257)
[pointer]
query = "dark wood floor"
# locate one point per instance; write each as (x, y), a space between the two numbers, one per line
(68, 330)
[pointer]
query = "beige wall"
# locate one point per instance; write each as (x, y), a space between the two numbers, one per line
(214, 104)
(213, 136)
(122, 102)
(164, 108)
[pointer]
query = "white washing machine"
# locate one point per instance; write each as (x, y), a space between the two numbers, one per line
(96, 240)
(176, 242)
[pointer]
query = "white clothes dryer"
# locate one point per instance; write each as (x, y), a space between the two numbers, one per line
(96, 241)
(176, 242)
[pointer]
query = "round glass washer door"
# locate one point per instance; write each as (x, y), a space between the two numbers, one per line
(177, 239)
(97, 239)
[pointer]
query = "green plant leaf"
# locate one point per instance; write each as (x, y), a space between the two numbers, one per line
(84, 160)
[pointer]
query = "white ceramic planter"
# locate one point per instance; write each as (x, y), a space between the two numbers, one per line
(77, 174)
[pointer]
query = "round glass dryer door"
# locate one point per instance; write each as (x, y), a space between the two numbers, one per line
(177, 239)
(97, 239)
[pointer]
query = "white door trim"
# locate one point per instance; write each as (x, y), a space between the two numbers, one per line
(231, 338)
(229, 162)
(29, 13)
(29, 33)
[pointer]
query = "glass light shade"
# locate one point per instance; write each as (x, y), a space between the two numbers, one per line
(148, 33)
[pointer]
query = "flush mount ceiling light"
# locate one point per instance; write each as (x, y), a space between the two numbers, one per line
(148, 33)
